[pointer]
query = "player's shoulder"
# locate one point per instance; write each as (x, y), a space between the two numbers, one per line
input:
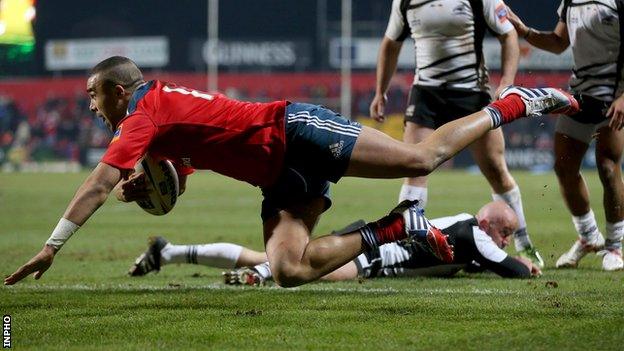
(486, 246)
(140, 94)
(445, 222)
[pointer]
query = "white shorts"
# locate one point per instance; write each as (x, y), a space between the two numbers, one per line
(582, 132)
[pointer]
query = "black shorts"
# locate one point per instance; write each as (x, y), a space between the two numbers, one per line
(593, 111)
(433, 107)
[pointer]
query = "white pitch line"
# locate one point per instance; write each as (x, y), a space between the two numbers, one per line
(216, 286)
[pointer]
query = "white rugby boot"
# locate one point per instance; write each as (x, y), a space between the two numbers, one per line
(542, 101)
(612, 259)
(580, 248)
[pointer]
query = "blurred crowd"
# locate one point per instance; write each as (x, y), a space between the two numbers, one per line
(64, 129)
(59, 129)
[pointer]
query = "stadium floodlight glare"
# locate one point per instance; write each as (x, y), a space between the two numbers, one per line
(29, 15)
(16, 17)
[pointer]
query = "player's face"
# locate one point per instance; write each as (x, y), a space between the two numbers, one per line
(501, 234)
(105, 101)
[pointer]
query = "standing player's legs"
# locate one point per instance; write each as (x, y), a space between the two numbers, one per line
(609, 146)
(571, 142)
(489, 154)
(569, 154)
(415, 188)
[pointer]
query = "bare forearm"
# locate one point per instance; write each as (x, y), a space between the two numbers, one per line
(509, 58)
(548, 41)
(556, 41)
(87, 200)
(386, 64)
(92, 193)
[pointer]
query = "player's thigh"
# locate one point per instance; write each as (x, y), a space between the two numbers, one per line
(377, 155)
(609, 145)
(287, 233)
(415, 133)
(569, 155)
(571, 142)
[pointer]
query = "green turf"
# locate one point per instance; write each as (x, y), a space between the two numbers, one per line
(85, 301)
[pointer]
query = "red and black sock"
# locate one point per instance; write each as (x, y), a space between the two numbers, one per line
(386, 230)
(506, 110)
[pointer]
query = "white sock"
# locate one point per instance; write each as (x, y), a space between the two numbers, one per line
(514, 200)
(615, 232)
(218, 255)
(264, 270)
(586, 225)
(412, 192)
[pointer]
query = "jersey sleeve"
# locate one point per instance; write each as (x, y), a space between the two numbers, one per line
(445, 222)
(130, 142)
(561, 11)
(495, 13)
(510, 268)
(398, 29)
(493, 258)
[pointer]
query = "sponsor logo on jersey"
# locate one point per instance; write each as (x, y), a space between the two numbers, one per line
(501, 12)
(336, 149)
(117, 134)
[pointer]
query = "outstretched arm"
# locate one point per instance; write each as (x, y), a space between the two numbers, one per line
(386, 66)
(556, 41)
(89, 197)
(92, 193)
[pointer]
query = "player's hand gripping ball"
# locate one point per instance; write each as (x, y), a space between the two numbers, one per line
(162, 183)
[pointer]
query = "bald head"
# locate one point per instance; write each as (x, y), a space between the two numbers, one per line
(498, 220)
(118, 70)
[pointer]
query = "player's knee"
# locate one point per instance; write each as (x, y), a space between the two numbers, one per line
(288, 276)
(562, 168)
(608, 170)
(422, 162)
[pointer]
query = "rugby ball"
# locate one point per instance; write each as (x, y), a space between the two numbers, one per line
(163, 183)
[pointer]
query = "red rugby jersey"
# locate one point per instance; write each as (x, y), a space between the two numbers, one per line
(197, 130)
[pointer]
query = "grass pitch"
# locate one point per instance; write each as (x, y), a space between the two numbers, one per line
(85, 301)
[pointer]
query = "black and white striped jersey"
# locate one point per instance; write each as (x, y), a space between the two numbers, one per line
(596, 38)
(473, 247)
(448, 38)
